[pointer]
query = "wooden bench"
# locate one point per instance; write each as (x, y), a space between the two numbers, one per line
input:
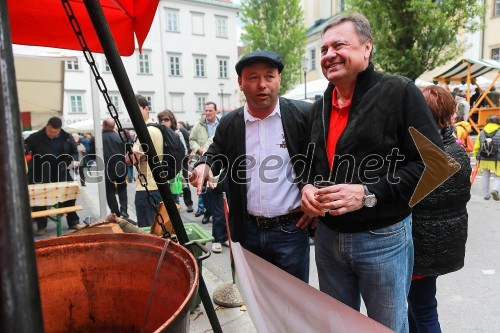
(49, 195)
(58, 212)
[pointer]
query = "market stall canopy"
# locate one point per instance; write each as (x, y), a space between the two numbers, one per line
(482, 81)
(460, 70)
(467, 71)
(84, 126)
(40, 86)
(45, 23)
(314, 88)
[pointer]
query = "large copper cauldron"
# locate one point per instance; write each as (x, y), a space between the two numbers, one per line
(101, 283)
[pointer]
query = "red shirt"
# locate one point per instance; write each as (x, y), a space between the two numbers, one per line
(338, 122)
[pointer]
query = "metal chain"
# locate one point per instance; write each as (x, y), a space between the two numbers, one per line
(112, 111)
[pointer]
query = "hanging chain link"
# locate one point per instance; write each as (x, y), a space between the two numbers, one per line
(112, 111)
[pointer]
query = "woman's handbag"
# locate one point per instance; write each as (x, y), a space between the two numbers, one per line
(176, 185)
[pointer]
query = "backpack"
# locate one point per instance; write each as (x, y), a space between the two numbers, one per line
(489, 147)
(468, 144)
(173, 151)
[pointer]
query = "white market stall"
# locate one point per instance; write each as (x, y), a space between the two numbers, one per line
(314, 88)
(84, 126)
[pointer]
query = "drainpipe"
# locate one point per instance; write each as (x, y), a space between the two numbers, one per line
(483, 19)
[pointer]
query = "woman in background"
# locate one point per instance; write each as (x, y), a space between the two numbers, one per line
(439, 222)
(167, 118)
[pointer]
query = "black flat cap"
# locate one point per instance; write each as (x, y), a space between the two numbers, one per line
(255, 56)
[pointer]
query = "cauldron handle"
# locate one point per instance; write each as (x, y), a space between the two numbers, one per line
(202, 248)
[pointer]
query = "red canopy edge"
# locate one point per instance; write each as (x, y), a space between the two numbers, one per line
(44, 23)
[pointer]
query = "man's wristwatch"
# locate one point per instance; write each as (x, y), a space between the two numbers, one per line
(369, 200)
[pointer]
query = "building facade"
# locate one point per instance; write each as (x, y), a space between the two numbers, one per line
(187, 60)
(484, 44)
(491, 37)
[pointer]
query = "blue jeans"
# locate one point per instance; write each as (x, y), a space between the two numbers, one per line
(375, 264)
(422, 306)
(286, 247)
(130, 173)
(176, 199)
(201, 206)
(145, 213)
(214, 204)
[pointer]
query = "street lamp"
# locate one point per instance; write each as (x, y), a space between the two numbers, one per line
(304, 63)
(221, 85)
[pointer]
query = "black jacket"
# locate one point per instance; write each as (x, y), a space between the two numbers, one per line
(383, 108)
(440, 220)
(114, 155)
(228, 151)
(44, 166)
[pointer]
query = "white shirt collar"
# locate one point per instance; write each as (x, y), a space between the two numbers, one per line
(248, 117)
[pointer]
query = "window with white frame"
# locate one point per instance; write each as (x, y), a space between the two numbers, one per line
(174, 63)
(76, 103)
(107, 69)
(221, 26)
(199, 66)
(73, 65)
(495, 54)
(200, 102)
(172, 20)
(222, 67)
(312, 59)
(496, 11)
(197, 22)
(149, 97)
(144, 62)
(115, 99)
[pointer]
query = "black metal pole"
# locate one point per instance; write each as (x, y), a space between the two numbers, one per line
(118, 70)
(20, 296)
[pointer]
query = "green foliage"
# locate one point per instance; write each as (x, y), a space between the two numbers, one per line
(276, 25)
(413, 36)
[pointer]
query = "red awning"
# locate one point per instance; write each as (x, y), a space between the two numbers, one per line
(44, 23)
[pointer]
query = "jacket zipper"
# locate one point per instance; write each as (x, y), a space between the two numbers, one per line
(324, 134)
(323, 120)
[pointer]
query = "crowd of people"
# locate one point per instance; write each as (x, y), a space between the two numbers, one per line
(269, 154)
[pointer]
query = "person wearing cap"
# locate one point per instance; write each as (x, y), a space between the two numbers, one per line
(257, 144)
(360, 131)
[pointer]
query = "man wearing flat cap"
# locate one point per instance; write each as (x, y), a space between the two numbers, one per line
(263, 147)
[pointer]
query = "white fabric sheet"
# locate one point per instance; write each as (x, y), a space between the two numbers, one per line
(279, 302)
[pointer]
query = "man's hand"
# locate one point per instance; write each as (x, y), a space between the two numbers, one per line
(305, 221)
(310, 206)
(200, 151)
(138, 156)
(199, 175)
(341, 199)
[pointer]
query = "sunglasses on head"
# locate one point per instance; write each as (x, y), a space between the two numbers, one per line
(164, 120)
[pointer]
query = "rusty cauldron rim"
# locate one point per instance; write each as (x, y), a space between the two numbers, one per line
(137, 239)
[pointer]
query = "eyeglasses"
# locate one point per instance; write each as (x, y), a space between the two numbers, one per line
(164, 120)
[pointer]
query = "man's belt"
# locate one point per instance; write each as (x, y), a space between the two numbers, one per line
(269, 222)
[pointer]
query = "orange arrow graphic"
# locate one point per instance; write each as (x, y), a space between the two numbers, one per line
(438, 166)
